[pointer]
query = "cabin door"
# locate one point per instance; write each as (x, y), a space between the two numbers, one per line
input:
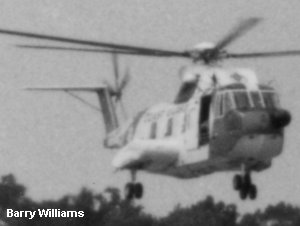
(204, 120)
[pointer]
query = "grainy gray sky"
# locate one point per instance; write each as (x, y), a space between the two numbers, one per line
(53, 144)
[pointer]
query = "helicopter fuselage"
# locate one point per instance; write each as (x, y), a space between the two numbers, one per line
(227, 121)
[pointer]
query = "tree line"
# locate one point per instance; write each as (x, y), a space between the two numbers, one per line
(110, 209)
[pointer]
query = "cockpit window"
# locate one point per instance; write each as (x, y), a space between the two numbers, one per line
(256, 99)
(227, 102)
(218, 104)
(241, 99)
(223, 103)
(270, 99)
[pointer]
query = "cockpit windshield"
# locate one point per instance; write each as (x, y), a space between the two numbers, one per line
(270, 99)
(241, 99)
(256, 99)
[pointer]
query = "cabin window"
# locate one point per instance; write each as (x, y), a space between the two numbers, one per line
(256, 99)
(153, 130)
(270, 99)
(169, 127)
(241, 100)
(186, 91)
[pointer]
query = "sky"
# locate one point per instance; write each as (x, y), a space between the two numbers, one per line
(53, 144)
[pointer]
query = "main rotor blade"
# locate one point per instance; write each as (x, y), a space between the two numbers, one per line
(47, 47)
(92, 43)
(71, 88)
(264, 54)
(238, 31)
(116, 51)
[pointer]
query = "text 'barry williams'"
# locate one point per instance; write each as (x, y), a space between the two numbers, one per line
(43, 213)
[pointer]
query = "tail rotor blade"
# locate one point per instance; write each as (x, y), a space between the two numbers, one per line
(111, 89)
(116, 69)
(125, 79)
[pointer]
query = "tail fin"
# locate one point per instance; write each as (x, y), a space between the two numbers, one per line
(105, 99)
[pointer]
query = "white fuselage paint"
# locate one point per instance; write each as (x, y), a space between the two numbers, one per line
(165, 139)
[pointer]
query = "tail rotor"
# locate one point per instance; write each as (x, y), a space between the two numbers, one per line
(120, 84)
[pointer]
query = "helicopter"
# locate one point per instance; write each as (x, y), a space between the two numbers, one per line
(222, 119)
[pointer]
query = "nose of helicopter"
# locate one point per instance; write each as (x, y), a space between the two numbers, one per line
(280, 118)
(258, 121)
(259, 132)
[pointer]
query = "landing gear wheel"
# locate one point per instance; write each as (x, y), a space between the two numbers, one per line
(244, 185)
(247, 180)
(252, 192)
(243, 192)
(237, 182)
(138, 190)
(129, 191)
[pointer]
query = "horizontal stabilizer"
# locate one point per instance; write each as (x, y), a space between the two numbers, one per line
(85, 89)
(104, 96)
